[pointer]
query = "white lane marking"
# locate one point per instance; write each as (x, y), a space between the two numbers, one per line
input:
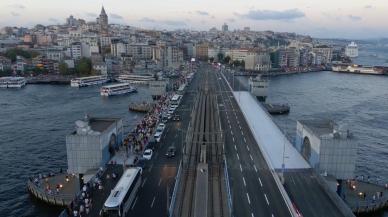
(241, 168)
(134, 203)
(261, 184)
(231, 132)
(242, 133)
(238, 157)
(153, 201)
(233, 139)
(254, 166)
(266, 199)
(245, 140)
(245, 184)
(252, 214)
(160, 181)
(248, 148)
(249, 200)
(142, 185)
(272, 215)
(230, 126)
(235, 147)
(239, 126)
(251, 157)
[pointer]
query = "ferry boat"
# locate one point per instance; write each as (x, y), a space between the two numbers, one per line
(259, 87)
(88, 81)
(357, 69)
(117, 89)
(135, 78)
(12, 82)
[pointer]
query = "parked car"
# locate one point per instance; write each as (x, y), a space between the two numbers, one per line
(159, 132)
(170, 152)
(176, 118)
(147, 154)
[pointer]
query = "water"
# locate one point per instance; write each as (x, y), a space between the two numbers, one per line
(33, 124)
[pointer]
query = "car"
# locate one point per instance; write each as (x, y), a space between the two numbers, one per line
(170, 112)
(176, 118)
(170, 152)
(159, 132)
(147, 154)
(141, 163)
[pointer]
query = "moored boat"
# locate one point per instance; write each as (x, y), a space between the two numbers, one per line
(12, 82)
(89, 81)
(117, 89)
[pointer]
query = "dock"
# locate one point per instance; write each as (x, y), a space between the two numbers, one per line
(55, 189)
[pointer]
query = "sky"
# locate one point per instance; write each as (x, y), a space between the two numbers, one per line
(353, 19)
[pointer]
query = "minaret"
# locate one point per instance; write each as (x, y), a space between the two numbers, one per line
(103, 22)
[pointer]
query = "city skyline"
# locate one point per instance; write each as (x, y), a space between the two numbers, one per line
(328, 19)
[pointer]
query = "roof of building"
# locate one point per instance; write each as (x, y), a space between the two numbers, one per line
(319, 126)
(101, 124)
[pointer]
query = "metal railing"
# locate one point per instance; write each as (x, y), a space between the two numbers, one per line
(176, 186)
(229, 192)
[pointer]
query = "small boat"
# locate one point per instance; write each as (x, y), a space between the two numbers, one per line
(141, 107)
(277, 109)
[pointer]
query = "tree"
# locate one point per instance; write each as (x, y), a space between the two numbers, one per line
(84, 66)
(6, 72)
(211, 59)
(227, 59)
(63, 68)
(220, 57)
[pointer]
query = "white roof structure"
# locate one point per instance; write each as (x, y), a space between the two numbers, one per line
(271, 140)
(118, 193)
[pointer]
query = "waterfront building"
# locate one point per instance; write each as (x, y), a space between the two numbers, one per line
(327, 150)
(76, 50)
(225, 27)
(325, 51)
(93, 143)
(351, 50)
(5, 63)
(202, 51)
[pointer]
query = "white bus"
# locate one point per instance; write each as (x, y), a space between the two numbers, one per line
(122, 196)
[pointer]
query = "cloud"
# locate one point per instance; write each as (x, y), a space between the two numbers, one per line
(231, 20)
(17, 6)
(273, 15)
(91, 14)
(213, 17)
(354, 18)
(53, 20)
(165, 22)
(368, 6)
(15, 14)
(147, 20)
(116, 16)
(174, 23)
(202, 13)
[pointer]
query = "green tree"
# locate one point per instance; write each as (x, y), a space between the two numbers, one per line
(220, 57)
(63, 68)
(227, 59)
(84, 66)
(6, 72)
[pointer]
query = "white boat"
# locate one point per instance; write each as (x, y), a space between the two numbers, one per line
(12, 82)
(259, 87)
(135, 78)
(117, 89)
(357, 69)
(88, 81)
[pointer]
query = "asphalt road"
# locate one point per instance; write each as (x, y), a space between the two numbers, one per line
(254, 191)
(159, 174)
(301, 185)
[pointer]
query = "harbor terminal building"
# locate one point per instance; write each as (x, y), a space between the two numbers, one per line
(92, 144)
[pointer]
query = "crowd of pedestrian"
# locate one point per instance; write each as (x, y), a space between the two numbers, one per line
(143, 131)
